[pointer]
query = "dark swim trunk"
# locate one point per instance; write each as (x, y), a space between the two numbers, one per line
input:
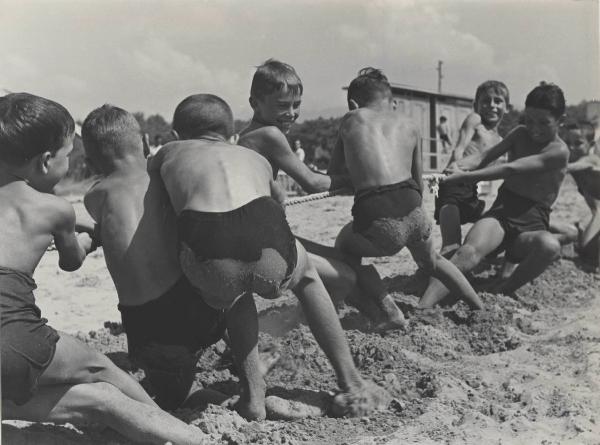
(248, 249)
(164, 336)
(462, 195)
(517, 214)
(28, 343)
(391, 216)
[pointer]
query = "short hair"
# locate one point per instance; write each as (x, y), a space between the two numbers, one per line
(201, 114)
(274, 75)
(587, 129)
(369, 85)
(30, 125)
(547, 96)
(493, 85)
(443, 118)
(110, 132)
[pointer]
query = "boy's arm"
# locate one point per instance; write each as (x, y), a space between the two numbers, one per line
(93, 202)
(72, 247)
(585, 163)
(417, 162)
(480, 160)
(553, 157)
(277, 192)
(465, 135)
(337, 168)
(279, 152)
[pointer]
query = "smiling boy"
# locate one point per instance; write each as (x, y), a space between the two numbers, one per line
(458, 203)
(518, 220)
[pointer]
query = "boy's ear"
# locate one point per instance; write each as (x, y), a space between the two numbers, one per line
(352, 104)
(253, 102)
(175, 135)
(234, 138)
(44, 161)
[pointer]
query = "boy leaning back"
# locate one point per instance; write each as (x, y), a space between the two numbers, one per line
(275, 97)
(235, 240)
(518, 220)
(164, 317)
(380, 150)
(458, 203)
(47, 376)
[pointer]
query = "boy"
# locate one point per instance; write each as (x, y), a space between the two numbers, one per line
(47, 377)
(235, 240)
(165, 319)
(458, 204)
(444, 131)
(584, 166)
(381, 151)
(518, 220)
(275, 97)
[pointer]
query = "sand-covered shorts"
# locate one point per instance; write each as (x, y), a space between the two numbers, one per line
(28, 343)
(227, 254)
(391, 216)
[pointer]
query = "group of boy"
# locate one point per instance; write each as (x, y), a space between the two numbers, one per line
(192, 233)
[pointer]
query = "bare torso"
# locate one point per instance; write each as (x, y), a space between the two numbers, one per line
(483, 139)
(212, 176)
(256, 138)
(138, 232)
(378, 147)
(542, 186)
(28, 219)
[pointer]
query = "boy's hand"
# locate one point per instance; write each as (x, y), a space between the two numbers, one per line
(452, 168)
(85, 241)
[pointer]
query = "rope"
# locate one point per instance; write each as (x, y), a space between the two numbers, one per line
(432, 180)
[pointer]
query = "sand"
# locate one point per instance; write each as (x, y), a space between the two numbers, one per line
(525, 371)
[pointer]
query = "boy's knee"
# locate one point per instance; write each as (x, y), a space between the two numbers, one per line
(467, 255)
(548, 246)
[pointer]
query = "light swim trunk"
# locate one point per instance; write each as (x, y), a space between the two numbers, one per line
(227, 254)
(28, 343)
(391, 216)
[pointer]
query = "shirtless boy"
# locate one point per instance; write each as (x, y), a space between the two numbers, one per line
(518, 220)
(235, 240)
(275, 97)
(165, 319)
(458, 204)
(584, 166)
(47, 376)
(381, 150)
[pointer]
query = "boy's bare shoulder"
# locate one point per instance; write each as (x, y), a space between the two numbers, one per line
(472, 120)
(58, 211)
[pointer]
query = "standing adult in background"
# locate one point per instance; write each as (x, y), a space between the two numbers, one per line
(444, 131)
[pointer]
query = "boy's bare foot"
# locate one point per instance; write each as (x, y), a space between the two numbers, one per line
(308, 404)
(360, 402)
(393, 316)
(250, 410)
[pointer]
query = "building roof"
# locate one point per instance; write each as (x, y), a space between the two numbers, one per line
(398, 88)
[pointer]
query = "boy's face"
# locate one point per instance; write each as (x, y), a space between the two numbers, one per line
(541, 125)
(578, 144)
(280, 108)
(491, 106)
(58, 163)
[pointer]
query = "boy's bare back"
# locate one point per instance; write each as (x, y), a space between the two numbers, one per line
(211, 176)
(379, 147)
(136, 223)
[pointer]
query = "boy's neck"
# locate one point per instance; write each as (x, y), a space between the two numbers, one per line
(126, 164)
(9, 174)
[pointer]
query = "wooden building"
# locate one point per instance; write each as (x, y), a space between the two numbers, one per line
(425, 108)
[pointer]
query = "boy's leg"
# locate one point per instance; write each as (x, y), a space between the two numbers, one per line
(565, 233)
(242, 328)
(449, 219)
(75, 362)
(328, 332)
(338, 277)
(442, 269)
(104, 403)
(356, 246)
(592, 230)
(536, 250)
(483, 238)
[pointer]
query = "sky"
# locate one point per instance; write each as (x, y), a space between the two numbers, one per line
(149, 55)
